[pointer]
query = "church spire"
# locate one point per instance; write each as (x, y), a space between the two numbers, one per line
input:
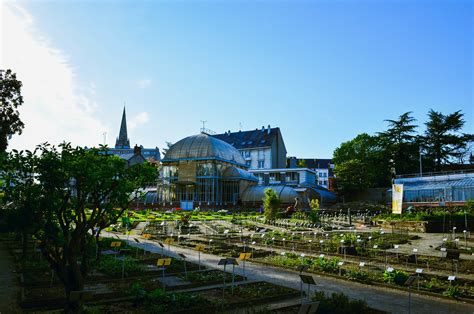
(122, 140)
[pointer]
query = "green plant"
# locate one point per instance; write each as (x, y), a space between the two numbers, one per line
(396, 276)
(452, 291)
(113, 267)
(469, 206)
(357, 275)
(271, 203)
(314, 204)
(339, 303)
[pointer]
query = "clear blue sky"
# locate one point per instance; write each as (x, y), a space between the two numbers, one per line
(323, 71)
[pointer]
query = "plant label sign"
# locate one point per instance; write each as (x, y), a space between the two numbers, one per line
(115, 244)
(361, 264)
(244, 256)
(419, 270)
(163, 262)
(199, 247)
(168, 241)
(451, 278)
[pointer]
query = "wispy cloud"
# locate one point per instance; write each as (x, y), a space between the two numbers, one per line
(56, 108)
(138, 119)
(144, 83)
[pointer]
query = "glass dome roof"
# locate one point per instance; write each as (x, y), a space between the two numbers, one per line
(203, 147)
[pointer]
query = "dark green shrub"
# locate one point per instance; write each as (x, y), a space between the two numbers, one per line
(357, 275)
(397, 277)
(452, 291)
(339, 303)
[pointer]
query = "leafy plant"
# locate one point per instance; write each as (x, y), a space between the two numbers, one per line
(339, 303)
(113, 267)
(452, 291)
(396, 276)
(358, 275)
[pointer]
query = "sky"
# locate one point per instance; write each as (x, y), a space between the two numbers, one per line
(322, 71)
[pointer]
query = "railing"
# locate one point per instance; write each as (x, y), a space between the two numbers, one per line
(430, 174)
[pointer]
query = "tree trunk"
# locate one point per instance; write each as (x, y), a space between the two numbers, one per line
(24, 243)
(75, 283)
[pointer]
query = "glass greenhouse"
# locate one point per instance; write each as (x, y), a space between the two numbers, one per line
(438, 189)
(201, 170)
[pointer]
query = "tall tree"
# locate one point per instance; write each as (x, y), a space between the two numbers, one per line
(401, 143)
(80, 193)
(271, 203)
(360, 163)
(10, 100)
(443, 140)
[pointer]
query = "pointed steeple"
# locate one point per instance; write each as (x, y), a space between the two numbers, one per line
(122, 140)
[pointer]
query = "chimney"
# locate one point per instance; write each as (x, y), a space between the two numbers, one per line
(137, 150)
(228, 133)
(269, 129)
(263, 128)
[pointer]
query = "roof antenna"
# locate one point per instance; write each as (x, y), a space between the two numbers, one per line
(105, 138)
(240, 126)
(203, 129)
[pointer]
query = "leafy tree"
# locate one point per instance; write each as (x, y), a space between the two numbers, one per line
(80, 192)
(443, 141)
(400, 143)
(301, 163)
(21, 193)
(271, 203)
(11, 99)
(360, 163)
(165, 150)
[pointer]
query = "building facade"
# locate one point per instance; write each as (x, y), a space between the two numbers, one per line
(260, 148)
(324, 169)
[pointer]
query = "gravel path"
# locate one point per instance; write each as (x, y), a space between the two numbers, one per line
(390, 300)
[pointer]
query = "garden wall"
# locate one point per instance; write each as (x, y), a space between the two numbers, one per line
(426, 226)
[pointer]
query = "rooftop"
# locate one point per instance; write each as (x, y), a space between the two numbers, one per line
(203, 147)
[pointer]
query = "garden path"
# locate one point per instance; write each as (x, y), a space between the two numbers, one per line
(390, 300)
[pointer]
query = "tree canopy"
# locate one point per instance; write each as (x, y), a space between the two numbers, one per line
(366, 161)
(68, 195)
(10, 100)
(443, 141)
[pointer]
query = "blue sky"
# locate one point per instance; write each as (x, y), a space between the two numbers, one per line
(323, 71)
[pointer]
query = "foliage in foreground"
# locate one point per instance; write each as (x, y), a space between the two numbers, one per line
(159, 301)
(339, 303)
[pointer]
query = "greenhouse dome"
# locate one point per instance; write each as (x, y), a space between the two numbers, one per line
(203, 147)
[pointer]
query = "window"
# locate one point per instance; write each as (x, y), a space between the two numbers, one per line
(261, 164)
(248, 163)
(247, 153)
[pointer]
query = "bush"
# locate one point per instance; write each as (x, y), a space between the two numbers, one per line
(113, 267)
(271, 203)
(328, 266)
(397, 276)
(358, 276)
(339, 303)
(452, 291)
